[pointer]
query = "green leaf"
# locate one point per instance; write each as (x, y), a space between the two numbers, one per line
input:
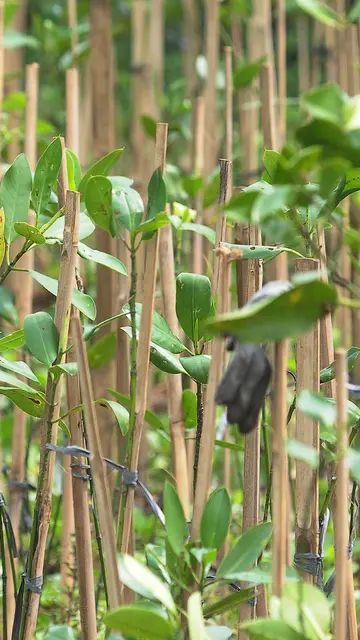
(156, 195)
(327, 102)
(80, 300)
(149, 126)
(139, 622)
(259, 252)
(246, 73)
(15, 39)
(268, 629)
(30, 232)
(31, 403)
(55, 233)
(165, 360)
(320, 11)
(102, 351)
(217, 632)
(175, 523)
(189, 407)
(13, 340)
(196, 624)
(245, 551)
(121, 414)
(288, 315)
(197, 367)
(128, 210)
(100, 168)
(303, 452)
(7, 305)
(228, 603)
(70, 368)
(323, 409)
(351, 185)
(353, 15)
(150, 417)
(153, 224)
(98, 198)
(215, 519)
(193, 303)
(73, 169)
(307, 609)
(59, 632)
(201, 229)
(45, 175)
(140, 579)
(212, 190)
(13, 381)
(328, 374)
(15, 193)
(161, 333)
(41, 336)
(354, 464)
(102, 258)
(21, 368)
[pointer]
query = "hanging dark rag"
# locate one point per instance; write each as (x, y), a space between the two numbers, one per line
(247, 377)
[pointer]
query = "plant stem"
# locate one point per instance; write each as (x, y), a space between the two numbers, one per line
(199, 428)
(14, 261)
(133, 380)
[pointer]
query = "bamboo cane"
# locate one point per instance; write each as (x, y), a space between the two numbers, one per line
(2, 7)
(191, 44)
(281, 72)
(174, 384)
(143, 355)
(307, 432)
(73, 23)
(212, 26)
(342, 500)
(49, 428)
(302, 28)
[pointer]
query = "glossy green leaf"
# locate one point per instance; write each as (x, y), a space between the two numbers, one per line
(12, 381)
(193, 303)
(21, 368)
(165, 360)
(30, 232)
(215, 519)
(46, 173)
(153, 224)
(303, 452)
(189, 407)
(323, 409)
(150, 417)
(201, 229)
(98, 197)
(196, 624)
(102, 351)
(100, 168)
(245, 551)
(332, 138)
(120, 413)
(228, 603)
(80, 300)
(41, 336)
(175, 523)
(246, 73)
(156, 195)
(127, 210)
(161, 333)
(140, 579)
(328, 374)
(307, 609)
(288, 315)
(70, 368)
(55, 232)
(197, 367)
(105, 259)
(13, 340)
(320, 11)
(73, 170)
(271, 630)
(15, 193)
(140, 623)
(260, 252)
(31, 403)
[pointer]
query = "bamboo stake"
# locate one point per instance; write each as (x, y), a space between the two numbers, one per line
(281, 59)
(73, 23)
(302, 27)
(156, 44)
(84, 558)
(174, 384)
(342, 500)
(267, 103)
(98, 470)
(317, 46)
(212, 26)
(72, 110)
(307, 432)
(14, 63)
(2, 8)
(49, 427)
(23, 295)
(191, 44)
(143, 354)
(228, 104)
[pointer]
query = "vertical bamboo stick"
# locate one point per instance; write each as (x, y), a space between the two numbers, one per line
(191, 44)
(35, 565)
(212, 26)
(72, 21)
(14, 62)
(302, 27)
(143, 355)
(174, 384)
(156, 44)
(2, 8)
(342, 500)
(228, 104)
(281, 60)
(307, 432)
(99, 476)
(317, 47)
(72, 110)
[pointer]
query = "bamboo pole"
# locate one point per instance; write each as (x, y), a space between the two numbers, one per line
(156, 44)
(302, 28)
(212, 26)
(49, 426)
(72, 110)
(2, 8)
(98, 470)
(174, 383)
(191, 45)
(307, 432)
(14, 63)
(342, 500)
(281, 61)
(229, 135)
(143, 354)
(101, 60)
(73, 23)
